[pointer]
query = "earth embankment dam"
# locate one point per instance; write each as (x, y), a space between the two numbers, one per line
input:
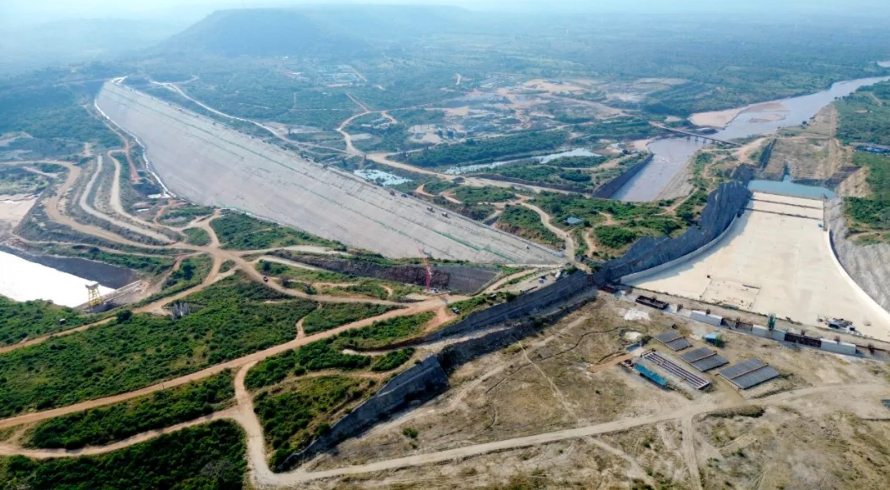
(211, 164)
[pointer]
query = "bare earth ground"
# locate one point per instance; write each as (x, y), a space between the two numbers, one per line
(639, 434)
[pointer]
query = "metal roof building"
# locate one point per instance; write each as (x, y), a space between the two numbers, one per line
(750, 373)
(704, 359)
(673, 340)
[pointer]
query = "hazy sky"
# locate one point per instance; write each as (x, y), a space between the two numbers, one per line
(37, 11)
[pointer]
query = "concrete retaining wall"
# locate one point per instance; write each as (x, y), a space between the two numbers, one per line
(607, 190)
(838, 347)
(420, 383)
(724, 205)
(428, 379)
(521, 306)
(704, 317)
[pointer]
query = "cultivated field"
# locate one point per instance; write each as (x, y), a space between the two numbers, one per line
(212, 165)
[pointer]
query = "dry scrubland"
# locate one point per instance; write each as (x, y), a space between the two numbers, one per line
(821, 424)
(212, 165)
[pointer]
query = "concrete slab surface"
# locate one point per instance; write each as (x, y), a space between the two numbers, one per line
(210, 164)
(775, 263)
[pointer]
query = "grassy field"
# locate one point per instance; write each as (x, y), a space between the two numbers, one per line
(207, 456)
(228, 320)
(104, 425)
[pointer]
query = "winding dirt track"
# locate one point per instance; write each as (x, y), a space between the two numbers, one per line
(210, 371)
(115, 199)
(566, 236)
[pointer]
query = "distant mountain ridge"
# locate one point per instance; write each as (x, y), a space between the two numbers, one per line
(316, 31)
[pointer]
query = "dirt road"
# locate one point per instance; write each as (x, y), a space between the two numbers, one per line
(425, 306)
(566, 236)
(851, 393)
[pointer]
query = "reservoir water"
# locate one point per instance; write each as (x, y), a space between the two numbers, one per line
(788, 188)
(22, 280)
(577, 152)
(669, 157)
(672, 154)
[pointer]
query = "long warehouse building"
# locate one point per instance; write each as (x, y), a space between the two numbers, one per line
(209, 163)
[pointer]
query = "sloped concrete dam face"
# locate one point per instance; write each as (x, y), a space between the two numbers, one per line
(210, 164)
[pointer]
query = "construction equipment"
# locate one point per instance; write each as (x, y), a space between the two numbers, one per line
(93, 297)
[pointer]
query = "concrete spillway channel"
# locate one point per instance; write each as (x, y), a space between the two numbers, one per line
(208, 163)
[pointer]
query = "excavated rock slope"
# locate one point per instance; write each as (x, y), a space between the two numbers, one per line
(869, 265)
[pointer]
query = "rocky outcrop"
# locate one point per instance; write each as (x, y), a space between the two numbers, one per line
(461, 278)
(868, 265)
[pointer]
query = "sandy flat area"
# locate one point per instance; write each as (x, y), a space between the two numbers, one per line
(715, 119)
(775, 259)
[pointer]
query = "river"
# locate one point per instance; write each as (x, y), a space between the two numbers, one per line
(671, 155)
(22, 280)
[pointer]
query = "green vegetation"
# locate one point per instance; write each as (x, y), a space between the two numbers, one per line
(101, 426)
(17, 180)
(274, 269)
(473, 195)
(328, 353)
(226, 266)
(197, 236)
(184, 214)
(316, 356)
(19, 321)
(43, 107)
(294, 414)
(382, 333)
(209, 456)
(392, 360)
(365, 288)
(873, 211)
(242, 232)
(410, 432)
(229, 319)
(412, 117)
(333, 315)
(629, 220)
(147, 264)
(864, 116)
(615, 236)
(488, 149)
(192, 271)
(526, 223)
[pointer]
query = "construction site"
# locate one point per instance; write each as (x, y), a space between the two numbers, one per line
(686, 363)
(207, 163)
(775, 258)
